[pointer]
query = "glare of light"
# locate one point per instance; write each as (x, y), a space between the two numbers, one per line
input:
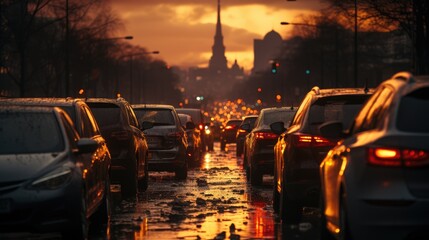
(81, 91)
(118, 95)
(142, 230)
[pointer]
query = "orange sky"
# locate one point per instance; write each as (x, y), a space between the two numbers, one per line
(183, 30)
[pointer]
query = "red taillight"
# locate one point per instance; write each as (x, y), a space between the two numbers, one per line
(241, 131)
(229, 127)
(312, 141)
(265, 135)
(122, 135)
(201, 126)
(397, 157)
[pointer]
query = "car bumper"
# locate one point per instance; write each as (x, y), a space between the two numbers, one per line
(40, 210)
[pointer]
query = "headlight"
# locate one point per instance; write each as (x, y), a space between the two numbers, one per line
(53, 179)
(207, 131)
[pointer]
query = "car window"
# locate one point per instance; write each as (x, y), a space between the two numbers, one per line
(29, 132)
(195, 114)
(250, 121)
(413, 112)
(132, 117)
(92, 122)
(86, 128)
(341, 108)
(277, 116)
(155, 116)
(106, 114)
(233, 123)
(71, 133)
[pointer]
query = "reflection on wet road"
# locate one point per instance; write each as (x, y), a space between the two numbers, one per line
(215, 202)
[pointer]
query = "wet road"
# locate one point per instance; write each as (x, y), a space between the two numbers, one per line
(215, 202)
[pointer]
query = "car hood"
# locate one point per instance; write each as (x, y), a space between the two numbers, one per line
(21, 167)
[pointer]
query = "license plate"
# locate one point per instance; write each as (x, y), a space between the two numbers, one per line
(5, 206)
(153, 141)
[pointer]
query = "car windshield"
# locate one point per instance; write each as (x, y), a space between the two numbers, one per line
(413, 112)
(335, 108)
(106, 114)
(29, 132)
(155, 116)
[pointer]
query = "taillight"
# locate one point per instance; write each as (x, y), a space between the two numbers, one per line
(229, 127)
(241, 131)
(201, 126)
(265, 135)
(121, 135)
(312, 141)
(397, 157)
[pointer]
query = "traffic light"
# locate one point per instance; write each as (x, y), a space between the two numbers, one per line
(274, 67)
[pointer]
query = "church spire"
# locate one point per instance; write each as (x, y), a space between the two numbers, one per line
(218, 61)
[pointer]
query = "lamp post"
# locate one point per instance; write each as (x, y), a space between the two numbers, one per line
(131, 69)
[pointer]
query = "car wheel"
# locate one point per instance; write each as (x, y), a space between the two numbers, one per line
(289, 210)
(222, 146)
(79, 223)
(144, 182)
(129, 182)
(255, 176)
(344, 228)
(182, 172)
(102, 215)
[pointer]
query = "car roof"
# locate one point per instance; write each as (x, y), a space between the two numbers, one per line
(250, 116)
(29, 108)
(42, 101)
(325, 92)
(273, 109)
(407, 82)
(159, 106)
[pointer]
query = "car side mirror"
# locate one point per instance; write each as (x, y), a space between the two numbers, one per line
(190, 125)
(146, 125)
(332, 129)
(87, 145)
(277, 127)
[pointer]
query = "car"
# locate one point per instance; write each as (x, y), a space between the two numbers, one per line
(126, 142)
(241, 133)
(166, 139)
(47, 181)
(300, 148)
(374, 181)
(259, 143)
(229, 132)
(198, 119)
(194, 139)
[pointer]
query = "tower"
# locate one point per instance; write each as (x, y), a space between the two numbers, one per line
(218, 63)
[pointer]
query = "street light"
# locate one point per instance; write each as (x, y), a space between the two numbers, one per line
(131, 68)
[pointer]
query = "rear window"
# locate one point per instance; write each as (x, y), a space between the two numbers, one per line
(250, 121)
(106, 114)
(277, 116)
(155, 116)
(29, 132)
(234, 123)
(335, 108)
(195, 114)
(413, 112)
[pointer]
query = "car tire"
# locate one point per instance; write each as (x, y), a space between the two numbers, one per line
(144, 182)
(255, 176)
(129, 183)
(102, 215)
(182, 172)
(289, 210)
(79, 227)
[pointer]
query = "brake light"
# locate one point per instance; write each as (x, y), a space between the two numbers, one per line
(241, 131)
(121, 135)
(265, 135)
(201, 126)
(392, 157)
(229, 127)
(312, 141)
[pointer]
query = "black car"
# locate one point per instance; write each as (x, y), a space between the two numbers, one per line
(194, 139)
(241, 133)
(228, 133)
(200, 126)
(126, 142)
(47, 181)
(259, 143)
(374, 182)
(300, 148)
(167, 139)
